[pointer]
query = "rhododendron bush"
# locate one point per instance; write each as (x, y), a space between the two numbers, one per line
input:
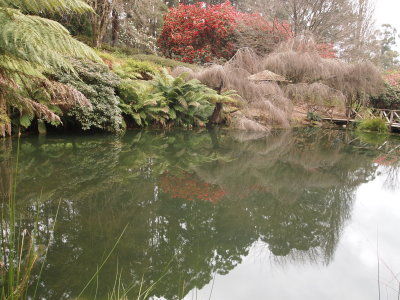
(203, 33)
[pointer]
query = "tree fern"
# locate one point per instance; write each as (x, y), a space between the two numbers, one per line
(37, 6)
(170, 101)
(31, 46)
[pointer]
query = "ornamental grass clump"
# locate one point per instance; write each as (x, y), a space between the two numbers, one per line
(377, 125)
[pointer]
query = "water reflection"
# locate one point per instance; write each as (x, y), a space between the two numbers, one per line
(195, 203)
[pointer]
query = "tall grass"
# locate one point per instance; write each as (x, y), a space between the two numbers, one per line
(120, 292)
(18, 254)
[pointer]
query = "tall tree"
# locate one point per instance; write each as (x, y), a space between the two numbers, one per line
(348, 24)
(100, 18)
(388, 56)
(131, 22)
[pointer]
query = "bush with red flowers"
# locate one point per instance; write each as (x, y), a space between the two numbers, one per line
(203, 33)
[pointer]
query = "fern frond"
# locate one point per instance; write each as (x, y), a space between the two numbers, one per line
(14, 66)
(29, 47)
(40, 41)
(182, 102)
(64, 95)
(38, 6)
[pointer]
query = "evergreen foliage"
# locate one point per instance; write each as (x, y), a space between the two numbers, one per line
(390, 97)
(167, 101)
(377, 125)
(140, 102)
(98, 84)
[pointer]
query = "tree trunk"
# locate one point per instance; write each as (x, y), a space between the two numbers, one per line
(115, 27)
(215, 117)
(5, 125)
(6, 167)
(100, 19)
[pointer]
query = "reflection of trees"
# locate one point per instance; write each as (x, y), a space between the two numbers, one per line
(5, 168)
(291, 190)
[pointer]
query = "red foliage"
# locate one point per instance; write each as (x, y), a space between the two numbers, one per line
(326, 51)
(256, 21)
(202, 32)
(392, 78)
(187, 186)
(385, 160)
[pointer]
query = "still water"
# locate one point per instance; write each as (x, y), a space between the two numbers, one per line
(301, 214)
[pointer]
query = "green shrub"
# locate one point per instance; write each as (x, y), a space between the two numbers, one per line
(98, 84)
(134, 69)
(142, 103)
(378, 125)
(167, 101)
(389, 99)
(313, 116)
(162, 61)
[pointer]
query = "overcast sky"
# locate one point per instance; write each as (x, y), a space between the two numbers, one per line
(388, 12)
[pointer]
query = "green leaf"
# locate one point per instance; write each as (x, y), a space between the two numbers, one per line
(25, 120)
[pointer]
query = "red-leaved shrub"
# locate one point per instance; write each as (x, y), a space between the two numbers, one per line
(203, 33)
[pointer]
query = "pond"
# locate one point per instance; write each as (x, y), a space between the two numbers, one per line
(297, 214)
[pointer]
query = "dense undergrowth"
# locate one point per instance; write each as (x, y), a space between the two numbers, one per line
(71, 86)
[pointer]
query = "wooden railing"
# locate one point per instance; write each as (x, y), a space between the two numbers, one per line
(390, 116)
(322, 109)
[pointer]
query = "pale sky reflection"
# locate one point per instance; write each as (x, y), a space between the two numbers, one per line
(353, 272)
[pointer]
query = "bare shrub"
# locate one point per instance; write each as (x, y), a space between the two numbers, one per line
(358, 82)
(265, 103)
(247, 59)
(299, 61)
(314, 80)
(316, 93)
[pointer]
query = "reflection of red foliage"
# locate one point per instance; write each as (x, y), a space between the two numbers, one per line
(187, 186)
(385, 160)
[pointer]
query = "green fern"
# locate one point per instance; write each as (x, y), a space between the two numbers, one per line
(169, 101)
(31, 46)
(143, 104)
(54, 6)
(188, 100)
